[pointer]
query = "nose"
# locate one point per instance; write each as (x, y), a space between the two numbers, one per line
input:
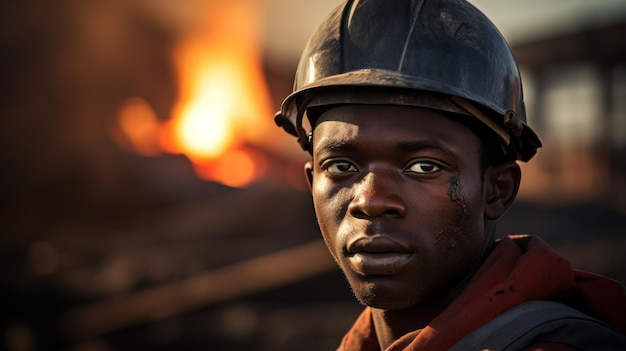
(377, 194)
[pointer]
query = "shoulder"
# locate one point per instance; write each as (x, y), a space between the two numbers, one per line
(543, 325)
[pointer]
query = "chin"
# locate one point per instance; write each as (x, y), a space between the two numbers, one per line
(384, 299)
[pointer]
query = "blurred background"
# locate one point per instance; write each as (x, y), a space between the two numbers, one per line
(148, 201)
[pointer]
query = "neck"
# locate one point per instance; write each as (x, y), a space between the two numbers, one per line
(390, 325)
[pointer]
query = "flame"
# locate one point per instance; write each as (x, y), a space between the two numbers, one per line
(139, 126)
(223, 105)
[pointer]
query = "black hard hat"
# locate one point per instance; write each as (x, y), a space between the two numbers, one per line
(441, 54)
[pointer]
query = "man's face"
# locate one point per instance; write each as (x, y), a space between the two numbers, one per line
(399, 200)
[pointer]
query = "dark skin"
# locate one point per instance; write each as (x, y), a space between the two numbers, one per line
(404, 207)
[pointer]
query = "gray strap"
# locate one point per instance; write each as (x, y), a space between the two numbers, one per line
(543, 320)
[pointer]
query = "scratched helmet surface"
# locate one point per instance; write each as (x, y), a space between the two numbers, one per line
(441, 54)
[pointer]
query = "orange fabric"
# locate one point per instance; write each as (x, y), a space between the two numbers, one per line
(519, 269)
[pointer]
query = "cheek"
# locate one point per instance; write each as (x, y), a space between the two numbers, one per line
(467, 196)
(455, 192)
(330, 207)
(328, 201)
(462, 226)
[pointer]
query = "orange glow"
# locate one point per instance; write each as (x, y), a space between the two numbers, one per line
(140, 126)
(223, 102)
(234, 168)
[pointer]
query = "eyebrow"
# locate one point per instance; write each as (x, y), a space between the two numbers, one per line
(337, 146)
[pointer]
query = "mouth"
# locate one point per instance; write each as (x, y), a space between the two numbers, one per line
(377, 255)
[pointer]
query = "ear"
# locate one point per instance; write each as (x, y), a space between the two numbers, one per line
(308, 171)
(501, 184)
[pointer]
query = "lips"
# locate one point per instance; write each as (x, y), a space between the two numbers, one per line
(377, 255)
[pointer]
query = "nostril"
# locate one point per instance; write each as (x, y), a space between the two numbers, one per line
(394, 206)
(377, 205)
(398, 210)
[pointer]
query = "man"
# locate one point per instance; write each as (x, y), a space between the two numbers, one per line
(416, 121)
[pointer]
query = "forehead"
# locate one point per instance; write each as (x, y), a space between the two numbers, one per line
(378, 125)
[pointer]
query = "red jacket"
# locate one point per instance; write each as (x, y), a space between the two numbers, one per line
(519, 269)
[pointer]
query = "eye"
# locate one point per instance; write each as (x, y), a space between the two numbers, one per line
(340, 167)
(423, 167)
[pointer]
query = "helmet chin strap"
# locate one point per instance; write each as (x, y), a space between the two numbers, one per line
(474, 111)
(304, 138)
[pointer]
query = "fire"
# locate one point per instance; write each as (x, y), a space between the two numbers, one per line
(141, 127)
(223, 105)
